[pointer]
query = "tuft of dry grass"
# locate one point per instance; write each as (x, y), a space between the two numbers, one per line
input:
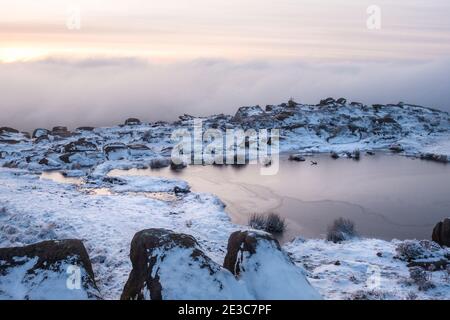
(341, 230)
(272, 222)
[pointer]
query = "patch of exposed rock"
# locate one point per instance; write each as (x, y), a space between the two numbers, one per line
(441, 233)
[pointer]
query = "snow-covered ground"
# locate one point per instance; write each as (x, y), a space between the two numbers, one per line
(34, 209)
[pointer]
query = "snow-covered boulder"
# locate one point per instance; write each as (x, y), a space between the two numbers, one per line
(441, 233)
(116, 151)
(132, 122)
(139, 150)
(171, 266)
(244, 113)
(61, 131)
(39, 132)
(257, 259)
(7, 130)
(81, 145)
(160, 162)
(148, 184)
(47, 270)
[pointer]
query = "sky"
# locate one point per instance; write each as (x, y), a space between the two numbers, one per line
(98, 62)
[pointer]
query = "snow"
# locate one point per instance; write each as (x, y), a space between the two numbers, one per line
(269, 275)
(181, 279)
(18, 284)
(149, 184)
(367, 267)
(34, 209)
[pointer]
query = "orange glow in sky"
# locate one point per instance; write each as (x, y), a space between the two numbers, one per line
(227, 29)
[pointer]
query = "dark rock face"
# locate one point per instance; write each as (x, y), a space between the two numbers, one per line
(334, 155)
(159, 163)
(341, 101)
(396, 147)
(132, 122)
(162, 259)
(240, 242)
(177, 166)
(296, 157)
(81, 145)
(434, 157)
(43, 261)
(85, 129)
(4, 130)
(441, 233)
(327, 101)
(43, 161)
(61, 131)
(9, 141)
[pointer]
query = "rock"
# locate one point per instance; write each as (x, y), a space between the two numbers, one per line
(26, 134)
(37, 133)
(434, 157)
(334, 155)
(43, 161)
(396, 147)
(61, 131)
(132, 122)
(296, 157)
(4, 130)
(171, 266)
(356, 104)
(284, 115)
(177, 166)
(44, 271)
(85, 129)
(41, 139)
(9, 141)
(441, 233)
(81, 145)
(245, 112)
(291, 103)
(327, 101)
(158, 163)
(116, 151)
(139, 150)
(257, 259)
(341, 101)
(66, 157)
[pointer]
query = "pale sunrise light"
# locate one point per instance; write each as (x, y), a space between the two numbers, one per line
(222, 152)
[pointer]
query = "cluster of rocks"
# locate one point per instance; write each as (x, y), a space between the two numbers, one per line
(162, 260)
(303, 127)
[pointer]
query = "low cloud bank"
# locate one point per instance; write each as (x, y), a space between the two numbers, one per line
(102, 92)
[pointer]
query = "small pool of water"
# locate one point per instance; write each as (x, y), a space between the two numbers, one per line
(386, 196)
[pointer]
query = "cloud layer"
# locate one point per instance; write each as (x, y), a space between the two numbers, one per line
(102, 92)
